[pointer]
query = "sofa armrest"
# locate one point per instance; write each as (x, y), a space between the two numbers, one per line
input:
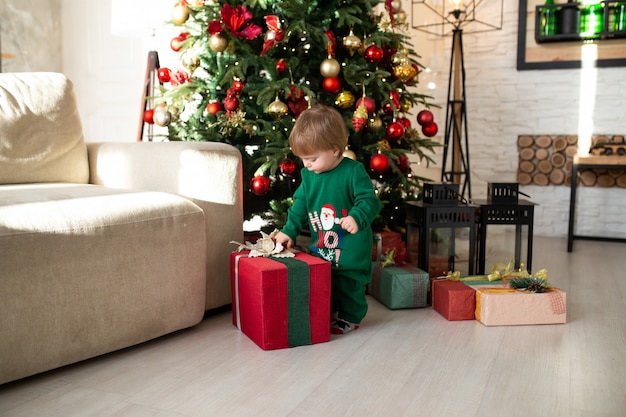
(208, 173)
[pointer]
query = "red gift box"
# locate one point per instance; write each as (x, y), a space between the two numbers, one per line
(452, 300)
(387, 241)
(269, 308)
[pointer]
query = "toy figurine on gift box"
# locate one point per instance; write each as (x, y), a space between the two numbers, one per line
(337, 198)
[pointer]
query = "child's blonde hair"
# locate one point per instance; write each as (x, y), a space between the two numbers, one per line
(319, 128)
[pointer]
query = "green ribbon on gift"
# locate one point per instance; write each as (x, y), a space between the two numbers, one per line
(298, 295)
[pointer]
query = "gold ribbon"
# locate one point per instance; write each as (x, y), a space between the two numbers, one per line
(388, 258)
(453, 276)
(499, 271)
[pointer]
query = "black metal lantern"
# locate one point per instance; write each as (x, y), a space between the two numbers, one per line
(505, 227)
(441, 231)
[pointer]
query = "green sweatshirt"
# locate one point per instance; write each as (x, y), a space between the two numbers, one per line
(322, 199)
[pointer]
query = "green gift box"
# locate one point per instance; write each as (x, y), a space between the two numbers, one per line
(399, 287)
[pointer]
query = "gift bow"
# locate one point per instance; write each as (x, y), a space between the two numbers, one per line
(500, 270)
(388, 258)
(274, 35)
(453, 276)
(265, 246)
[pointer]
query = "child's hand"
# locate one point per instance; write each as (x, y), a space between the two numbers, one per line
(284, 240)
(349, 224)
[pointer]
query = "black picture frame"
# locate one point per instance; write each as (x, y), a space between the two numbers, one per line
(527, 9)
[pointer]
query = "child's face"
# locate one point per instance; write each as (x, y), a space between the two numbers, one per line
(321, 161)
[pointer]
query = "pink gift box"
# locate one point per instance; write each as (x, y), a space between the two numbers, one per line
(500, 305)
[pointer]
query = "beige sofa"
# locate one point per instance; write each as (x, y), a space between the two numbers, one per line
(103, 245)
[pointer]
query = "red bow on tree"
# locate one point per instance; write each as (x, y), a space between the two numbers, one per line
(274, 33)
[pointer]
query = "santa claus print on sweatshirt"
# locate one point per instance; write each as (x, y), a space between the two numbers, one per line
(329, 241)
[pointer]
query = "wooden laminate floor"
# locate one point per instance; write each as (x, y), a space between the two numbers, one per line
(399, 363)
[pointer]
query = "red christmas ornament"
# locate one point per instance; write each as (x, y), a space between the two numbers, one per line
(374, 54)
(260, 185)
(430, 130)
(395, 98)
(214, 107)
(379, 163)
(395, 131)
(231, 103)
(404, 121)
(164, 75)
(332, 85)
(237, 86)
(425, 118)
(176, 43)
(295, 93)
(287, 167)
(369, 103)
(148, 116)
(388, 108)
(178, 78)
(403, 163)
(281, 65)
(388, 53)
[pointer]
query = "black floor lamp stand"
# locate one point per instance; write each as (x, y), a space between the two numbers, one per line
(456, 162)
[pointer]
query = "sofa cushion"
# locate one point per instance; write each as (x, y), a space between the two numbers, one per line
(86, 270)
(41, 138)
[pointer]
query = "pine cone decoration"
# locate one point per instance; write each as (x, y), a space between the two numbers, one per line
(360, 117)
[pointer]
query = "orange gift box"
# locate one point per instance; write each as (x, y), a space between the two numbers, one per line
(452, 299)
(500, 305)
(276, 310)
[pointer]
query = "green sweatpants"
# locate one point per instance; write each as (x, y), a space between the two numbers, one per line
(347, 294)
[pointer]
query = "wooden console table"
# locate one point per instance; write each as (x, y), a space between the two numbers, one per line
(589, 162)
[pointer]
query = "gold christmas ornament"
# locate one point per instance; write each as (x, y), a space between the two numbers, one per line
(180, 14)
(405, 105)
(330, 67)
(396, 4)
(400, 17)
(162, 117)
(400, 57)
(374, 123)
(190, 61)
(218, 42)
(352, 42)
(383, 145)
(277, 108)
(347, 153)
(404, 71)
(345, 100)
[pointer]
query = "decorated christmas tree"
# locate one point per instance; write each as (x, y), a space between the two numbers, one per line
(249, 68)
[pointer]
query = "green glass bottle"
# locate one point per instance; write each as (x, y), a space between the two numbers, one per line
(591, 19)
(619, 17)
(548, 19)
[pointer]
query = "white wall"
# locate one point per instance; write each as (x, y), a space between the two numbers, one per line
(502, 103)
(108, 71)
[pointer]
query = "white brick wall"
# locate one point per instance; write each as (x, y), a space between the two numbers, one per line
(503, 103)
